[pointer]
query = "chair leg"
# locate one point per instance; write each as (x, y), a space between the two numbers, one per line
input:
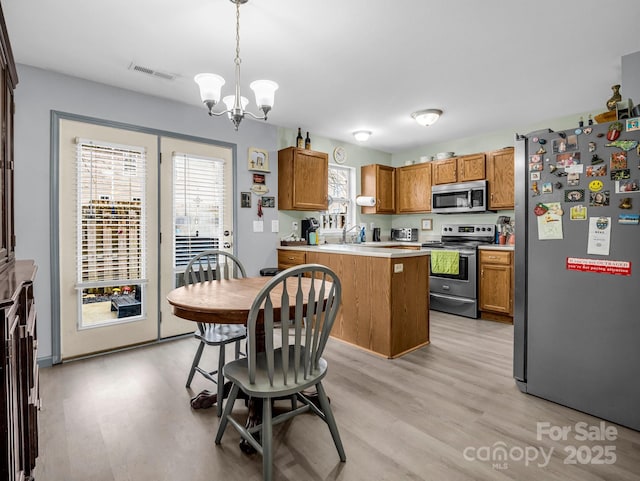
(267, 437)
(227, 410)
(331, 421)
(220, 378)
(196, 361)
(237, 350)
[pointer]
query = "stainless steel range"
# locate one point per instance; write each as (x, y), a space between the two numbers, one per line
(458, 293)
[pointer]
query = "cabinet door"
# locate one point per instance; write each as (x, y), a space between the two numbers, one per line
(386, 189)
(378, 181)
(414, 188)
(500, 176)
(310, 180)
(495, 288)
(445, 171)
(471, 167)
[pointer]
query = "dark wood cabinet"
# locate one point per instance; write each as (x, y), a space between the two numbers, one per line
(20, 398)
(8, 81)
(19, 394)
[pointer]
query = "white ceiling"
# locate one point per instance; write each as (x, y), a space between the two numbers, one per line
(348, 65)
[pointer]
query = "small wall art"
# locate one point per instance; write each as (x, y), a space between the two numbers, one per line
(258, 160)
(427, 224)
(245, 199)
(268, 201)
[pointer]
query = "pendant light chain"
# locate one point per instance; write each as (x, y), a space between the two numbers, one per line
(238, 34)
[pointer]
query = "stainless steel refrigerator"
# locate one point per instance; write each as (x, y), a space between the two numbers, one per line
(577, 269)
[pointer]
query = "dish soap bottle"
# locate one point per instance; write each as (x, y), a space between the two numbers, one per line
(362, 235)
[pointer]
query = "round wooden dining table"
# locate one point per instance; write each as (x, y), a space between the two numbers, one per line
(226, 301)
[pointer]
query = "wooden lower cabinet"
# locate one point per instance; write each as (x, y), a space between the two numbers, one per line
(496, 285)
(20, 398)
(385, 308)
(289, 258)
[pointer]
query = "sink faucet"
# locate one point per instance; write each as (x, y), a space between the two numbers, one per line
(345, 231)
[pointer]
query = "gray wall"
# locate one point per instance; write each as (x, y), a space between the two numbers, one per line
(40, 91)
(630, 85)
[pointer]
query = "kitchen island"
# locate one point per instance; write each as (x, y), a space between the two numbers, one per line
(385, 294)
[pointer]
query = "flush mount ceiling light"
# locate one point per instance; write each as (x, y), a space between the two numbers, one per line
(211, 84)
(427, 117)
(362, 135)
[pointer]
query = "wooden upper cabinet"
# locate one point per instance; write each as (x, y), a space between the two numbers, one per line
(459, 169)
(500, 177)
(302, 179)
(444, 171)
(471, 167)
(378, 181)
(413, 188)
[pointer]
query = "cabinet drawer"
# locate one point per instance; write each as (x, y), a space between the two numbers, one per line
(495, 257)
(287, 258)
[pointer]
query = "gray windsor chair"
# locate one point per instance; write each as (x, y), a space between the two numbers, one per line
(296, 365)
(214, 265)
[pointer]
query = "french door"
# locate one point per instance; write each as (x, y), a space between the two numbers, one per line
(128, 224)
(196, 206)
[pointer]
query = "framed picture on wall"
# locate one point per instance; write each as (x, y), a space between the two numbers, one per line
(258, 160)
(427, 224)
(245, 199)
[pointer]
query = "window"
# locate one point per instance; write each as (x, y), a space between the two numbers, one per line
(111, 239)
(341, 210)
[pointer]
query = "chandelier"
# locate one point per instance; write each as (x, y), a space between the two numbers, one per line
(211, 84)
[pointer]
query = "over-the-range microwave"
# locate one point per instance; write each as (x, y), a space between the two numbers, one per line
(459, 198)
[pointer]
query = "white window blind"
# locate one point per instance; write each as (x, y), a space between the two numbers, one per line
(341, 210)
(111, 181)
(198, 205)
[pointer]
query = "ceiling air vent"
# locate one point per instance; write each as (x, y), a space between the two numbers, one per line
(150, 71)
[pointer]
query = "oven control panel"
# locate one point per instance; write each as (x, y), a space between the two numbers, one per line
(469, 230)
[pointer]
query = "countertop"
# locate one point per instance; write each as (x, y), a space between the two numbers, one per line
(496, 247)
(368, 249)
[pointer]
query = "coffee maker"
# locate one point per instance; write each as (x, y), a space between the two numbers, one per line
(309, 227)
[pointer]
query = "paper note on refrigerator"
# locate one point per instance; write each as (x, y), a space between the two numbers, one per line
(550, 223)
(599, 236)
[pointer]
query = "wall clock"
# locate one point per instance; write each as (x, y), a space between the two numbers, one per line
(339, 155)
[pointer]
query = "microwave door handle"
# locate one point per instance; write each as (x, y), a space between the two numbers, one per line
(469, 195)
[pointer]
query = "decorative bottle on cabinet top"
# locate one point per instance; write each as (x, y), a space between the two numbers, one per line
(299, 140)
(307, 142)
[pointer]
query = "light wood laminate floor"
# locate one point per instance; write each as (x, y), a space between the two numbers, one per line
(126, 417)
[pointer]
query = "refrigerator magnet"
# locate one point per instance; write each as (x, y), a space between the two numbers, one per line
(599, 199)
(625, 203)
(625, 145)
(627, 186)
(599, 236)
(618, 160)
(547, 188)
(574, 195)
(621, 174)
(630, 219)
(578, 212)
(596, 185)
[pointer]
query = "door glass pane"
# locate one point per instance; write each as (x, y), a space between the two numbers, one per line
(111, 232)
(198, 208)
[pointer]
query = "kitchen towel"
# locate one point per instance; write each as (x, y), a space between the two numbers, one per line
(445, 262)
